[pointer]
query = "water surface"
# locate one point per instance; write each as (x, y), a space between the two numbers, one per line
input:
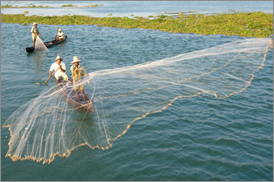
(198, 138)
(138, 8)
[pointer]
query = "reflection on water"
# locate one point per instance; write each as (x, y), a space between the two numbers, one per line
(37, 60)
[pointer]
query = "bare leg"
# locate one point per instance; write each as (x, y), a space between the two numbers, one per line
(82, 91)
(33, 44)
(77, 95)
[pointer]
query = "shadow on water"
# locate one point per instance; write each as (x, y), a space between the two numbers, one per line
(39, 58)
(84, 118)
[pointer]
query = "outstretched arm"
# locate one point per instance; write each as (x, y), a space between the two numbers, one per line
(85, 73)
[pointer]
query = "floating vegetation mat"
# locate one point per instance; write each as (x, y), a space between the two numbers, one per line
(255, 24)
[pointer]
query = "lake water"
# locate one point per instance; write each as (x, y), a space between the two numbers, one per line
(199, 138)
(138, 8)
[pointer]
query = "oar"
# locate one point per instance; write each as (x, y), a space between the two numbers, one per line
(51, 76)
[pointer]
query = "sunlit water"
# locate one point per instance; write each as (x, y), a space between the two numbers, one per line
(198, 138)
(137, 8)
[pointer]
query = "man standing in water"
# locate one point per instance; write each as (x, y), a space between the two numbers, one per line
(60, 69)
(77, 75)
(35, 32)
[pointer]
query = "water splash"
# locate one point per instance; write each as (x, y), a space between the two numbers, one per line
(48, 125)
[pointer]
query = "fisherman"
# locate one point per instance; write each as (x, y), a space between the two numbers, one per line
(60, 74)
(59, 36)
(77, 75)
(35, 32)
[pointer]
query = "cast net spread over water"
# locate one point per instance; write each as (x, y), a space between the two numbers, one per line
(39, 45)
(49, 125)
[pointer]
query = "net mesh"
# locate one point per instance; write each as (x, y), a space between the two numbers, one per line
(49, 125)
(39, 45)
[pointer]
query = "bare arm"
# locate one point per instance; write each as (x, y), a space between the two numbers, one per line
(88, 81)
(63, 70)
(85, 73)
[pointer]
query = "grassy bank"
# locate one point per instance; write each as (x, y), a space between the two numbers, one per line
(255, 24)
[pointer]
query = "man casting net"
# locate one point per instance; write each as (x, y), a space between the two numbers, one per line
(49, 125)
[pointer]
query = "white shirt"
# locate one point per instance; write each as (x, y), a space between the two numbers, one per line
(60, 34)
(55, 66)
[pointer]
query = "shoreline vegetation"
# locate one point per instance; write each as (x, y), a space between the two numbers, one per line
(254, 24)
(39, 6)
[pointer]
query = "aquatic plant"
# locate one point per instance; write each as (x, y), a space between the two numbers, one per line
(92, 6)
(68, 5)
(7, 6)
(255, 24)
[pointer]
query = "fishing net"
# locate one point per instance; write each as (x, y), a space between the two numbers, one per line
(49, 125)
(39, 45)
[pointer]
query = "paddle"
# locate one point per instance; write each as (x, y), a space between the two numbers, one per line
(51, 75)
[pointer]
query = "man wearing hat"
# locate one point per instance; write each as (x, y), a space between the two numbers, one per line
(77, 75)
(35, 32)
(61, 69)
(59, 36)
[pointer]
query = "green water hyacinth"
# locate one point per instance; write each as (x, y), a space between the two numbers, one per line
(68, 5)
(255, 24)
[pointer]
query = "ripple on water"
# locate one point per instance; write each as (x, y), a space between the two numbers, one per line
(199, 138)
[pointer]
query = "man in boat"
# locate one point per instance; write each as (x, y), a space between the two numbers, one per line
(77, 75)
(60, 69)
(59, 36)
(35, 32)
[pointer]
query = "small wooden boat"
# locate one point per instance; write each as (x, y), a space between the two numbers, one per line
(48, 44)
(69, 94)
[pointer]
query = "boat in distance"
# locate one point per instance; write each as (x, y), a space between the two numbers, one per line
(48, 44)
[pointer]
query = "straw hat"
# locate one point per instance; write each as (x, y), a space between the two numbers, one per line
(34, 23)
(60, 30)
(58, 57)
(75, 60)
